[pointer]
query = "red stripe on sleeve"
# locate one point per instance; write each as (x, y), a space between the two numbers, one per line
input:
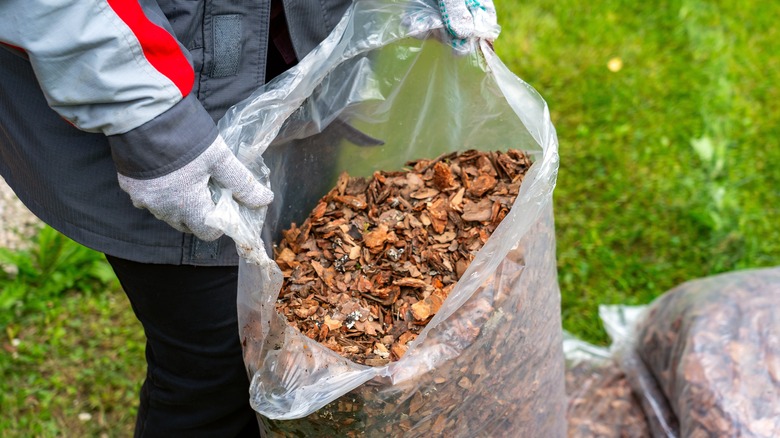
(13, 46)
(159, 47)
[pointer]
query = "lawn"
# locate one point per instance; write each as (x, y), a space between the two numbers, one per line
(669, 172)
(668, 158)
(72, 356)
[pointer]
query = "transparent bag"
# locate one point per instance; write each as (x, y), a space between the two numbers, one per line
(385, 88)
(704, 357)
(601, 401)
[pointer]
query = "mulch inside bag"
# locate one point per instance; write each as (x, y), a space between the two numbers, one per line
(713, 347)
(378, 256)
(601, 402)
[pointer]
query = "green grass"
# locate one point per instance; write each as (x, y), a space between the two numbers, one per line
(33, 278)
(83, 356)
(669, 172)
(668, 166)
(72, 351)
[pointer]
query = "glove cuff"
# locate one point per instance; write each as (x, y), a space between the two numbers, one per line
(165, 143)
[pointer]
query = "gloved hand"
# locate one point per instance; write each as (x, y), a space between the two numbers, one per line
(182, 198)
(465, 19)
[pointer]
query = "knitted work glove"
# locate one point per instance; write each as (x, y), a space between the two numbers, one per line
(466, 19)
(182, 198)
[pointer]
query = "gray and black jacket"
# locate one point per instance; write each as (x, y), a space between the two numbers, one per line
(87, 85)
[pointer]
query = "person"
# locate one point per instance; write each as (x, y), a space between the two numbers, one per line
(108, 134)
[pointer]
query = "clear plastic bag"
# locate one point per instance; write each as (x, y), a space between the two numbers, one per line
(385, 88)
(620, 321)
(601, 401)
(705, 356)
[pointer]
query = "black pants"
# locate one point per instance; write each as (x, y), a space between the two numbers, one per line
(196, 383)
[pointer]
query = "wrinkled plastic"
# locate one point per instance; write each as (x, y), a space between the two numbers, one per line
(705, 356)
(576, 350)
(600, 400)
(385, 88)
(620, 323)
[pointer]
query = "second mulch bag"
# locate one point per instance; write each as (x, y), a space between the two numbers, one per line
(386, 87)
(704, 357)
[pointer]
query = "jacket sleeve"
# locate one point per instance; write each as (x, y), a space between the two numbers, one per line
(114, 67)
